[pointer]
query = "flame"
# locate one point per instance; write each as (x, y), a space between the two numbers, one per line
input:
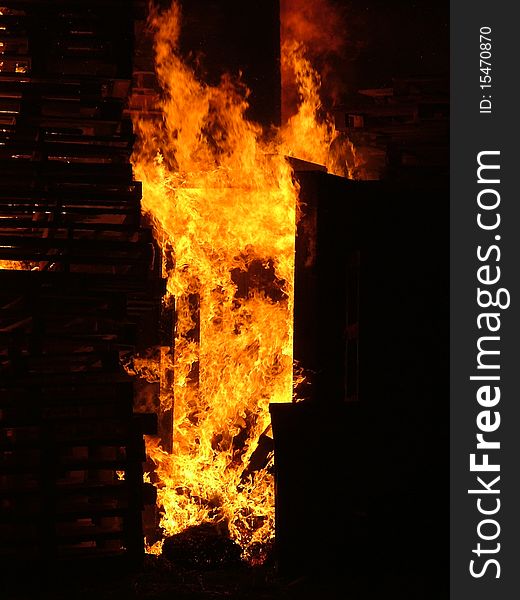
(223, 203)
(310, 134)
(11, 265)
(18, 265)
(320, 26)
(155, 548)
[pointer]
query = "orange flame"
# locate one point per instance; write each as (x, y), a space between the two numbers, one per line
(11, 265)
(19, 265)
(310, 134)
(320, 27)
(224, 201)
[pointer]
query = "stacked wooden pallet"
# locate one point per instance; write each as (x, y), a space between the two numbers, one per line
(80, 286)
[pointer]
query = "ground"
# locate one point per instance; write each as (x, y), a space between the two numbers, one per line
(158, 579)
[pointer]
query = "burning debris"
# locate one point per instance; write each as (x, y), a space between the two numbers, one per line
(202, 547)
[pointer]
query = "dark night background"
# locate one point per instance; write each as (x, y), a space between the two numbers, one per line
(397, 38)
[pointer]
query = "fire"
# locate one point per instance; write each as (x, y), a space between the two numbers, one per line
(310, 134)
(313, 32)
(10, 265)
(303, 135)
(17, 265)
(223, 203)
(320, 25)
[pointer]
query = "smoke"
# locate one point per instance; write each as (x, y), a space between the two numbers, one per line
(320, 27)
(318, 24)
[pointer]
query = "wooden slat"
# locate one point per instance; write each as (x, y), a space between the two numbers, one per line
(70, 210)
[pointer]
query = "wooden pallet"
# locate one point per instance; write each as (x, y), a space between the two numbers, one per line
(81, 285)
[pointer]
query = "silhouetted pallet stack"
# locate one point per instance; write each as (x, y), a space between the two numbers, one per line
(80, 286)
(370, 308)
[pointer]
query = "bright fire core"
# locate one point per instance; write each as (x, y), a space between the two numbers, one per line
(223, 203)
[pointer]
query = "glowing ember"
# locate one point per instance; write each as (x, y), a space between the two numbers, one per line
(223, 203)
(154, 548)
